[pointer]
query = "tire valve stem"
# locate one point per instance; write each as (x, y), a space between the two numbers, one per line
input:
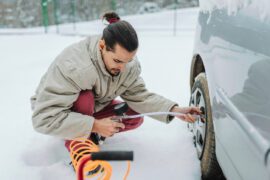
(202, 116)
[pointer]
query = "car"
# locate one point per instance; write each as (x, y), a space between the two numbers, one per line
(230, 83)
(148, 7)
(182, 4)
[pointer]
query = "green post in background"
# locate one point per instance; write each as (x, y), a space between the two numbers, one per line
(175, 17)
(56, 15)
(113, 5)
(45, 17)
(73, 11)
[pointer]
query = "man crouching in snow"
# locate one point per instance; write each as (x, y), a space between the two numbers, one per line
(76, 95)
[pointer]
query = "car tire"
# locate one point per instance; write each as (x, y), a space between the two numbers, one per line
(210, 168)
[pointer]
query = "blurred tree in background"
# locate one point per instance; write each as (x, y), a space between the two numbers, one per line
(31, 13)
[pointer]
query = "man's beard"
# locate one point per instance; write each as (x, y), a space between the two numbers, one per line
(114, 72)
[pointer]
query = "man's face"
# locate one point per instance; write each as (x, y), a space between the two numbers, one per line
(115, 60)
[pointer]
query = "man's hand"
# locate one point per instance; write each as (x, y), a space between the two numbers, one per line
(106, 127)
(187, 113)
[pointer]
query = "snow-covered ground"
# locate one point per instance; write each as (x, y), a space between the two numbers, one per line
(161, 151)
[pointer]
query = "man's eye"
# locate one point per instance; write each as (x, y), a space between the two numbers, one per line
(117, 61)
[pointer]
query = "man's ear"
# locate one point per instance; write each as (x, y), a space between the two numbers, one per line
(101, 44)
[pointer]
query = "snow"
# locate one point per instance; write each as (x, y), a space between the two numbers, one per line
(161, 151)
(257, 8)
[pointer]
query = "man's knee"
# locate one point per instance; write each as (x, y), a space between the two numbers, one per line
(85, 103)
(132, 123)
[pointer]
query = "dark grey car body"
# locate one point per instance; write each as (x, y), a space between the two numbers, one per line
(234, 52)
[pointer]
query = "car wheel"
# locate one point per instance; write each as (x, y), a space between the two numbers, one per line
(203, 130)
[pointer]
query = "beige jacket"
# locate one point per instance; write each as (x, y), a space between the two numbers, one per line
(80, 67)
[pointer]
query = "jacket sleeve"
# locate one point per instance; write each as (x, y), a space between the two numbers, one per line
(51, 105)
(143, 101)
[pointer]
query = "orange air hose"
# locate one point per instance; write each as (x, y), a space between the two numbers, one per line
(85, 168)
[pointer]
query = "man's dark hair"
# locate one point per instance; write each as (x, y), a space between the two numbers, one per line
(119, 31)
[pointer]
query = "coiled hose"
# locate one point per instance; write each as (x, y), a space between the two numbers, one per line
(88, 161)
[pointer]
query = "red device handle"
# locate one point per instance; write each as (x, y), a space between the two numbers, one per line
(81, 165)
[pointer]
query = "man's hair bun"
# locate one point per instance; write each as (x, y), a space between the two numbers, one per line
(111, 17)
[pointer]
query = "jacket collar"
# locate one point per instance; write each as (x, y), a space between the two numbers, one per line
(95, 54)
(100, 62)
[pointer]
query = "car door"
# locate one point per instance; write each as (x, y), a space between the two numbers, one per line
(238, 59)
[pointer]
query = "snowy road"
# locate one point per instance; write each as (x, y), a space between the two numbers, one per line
(161, 151)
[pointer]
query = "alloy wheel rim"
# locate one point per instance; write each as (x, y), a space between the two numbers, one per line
(199, 126)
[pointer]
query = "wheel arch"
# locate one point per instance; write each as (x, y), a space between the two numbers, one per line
(197, 67)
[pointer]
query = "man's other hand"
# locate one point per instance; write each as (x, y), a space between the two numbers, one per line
(187, 113)
(106, 127)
